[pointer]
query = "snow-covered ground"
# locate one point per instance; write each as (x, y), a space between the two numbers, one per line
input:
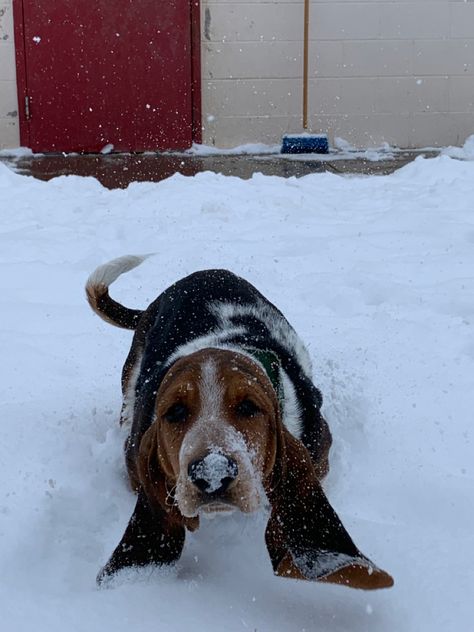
(376, 274)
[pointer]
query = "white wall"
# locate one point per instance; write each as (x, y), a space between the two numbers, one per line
(9, 128)
(252, 70)
(400, 72)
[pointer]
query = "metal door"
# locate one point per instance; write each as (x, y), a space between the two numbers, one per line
(93, 75)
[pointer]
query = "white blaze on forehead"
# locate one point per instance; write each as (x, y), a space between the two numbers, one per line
(207, 429)
(212, 393)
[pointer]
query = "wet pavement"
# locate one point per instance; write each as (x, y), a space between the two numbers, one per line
(119, 170)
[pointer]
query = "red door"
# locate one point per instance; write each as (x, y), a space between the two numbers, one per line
(105, 72)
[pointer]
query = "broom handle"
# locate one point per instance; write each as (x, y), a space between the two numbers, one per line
(305, 64)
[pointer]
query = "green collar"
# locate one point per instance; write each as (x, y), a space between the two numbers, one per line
(271, 364)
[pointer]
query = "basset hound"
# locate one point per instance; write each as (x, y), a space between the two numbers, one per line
(223, 415)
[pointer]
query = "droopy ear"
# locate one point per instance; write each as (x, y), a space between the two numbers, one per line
(305, 537)
(153, 535)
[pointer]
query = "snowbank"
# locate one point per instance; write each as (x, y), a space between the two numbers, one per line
(466, 152)
(377, 275)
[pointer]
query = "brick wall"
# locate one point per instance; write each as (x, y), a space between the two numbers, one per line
(252, 70)
(400, 72)
(9, 130)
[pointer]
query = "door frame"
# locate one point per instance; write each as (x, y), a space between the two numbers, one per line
(22, 73)
(196, 93)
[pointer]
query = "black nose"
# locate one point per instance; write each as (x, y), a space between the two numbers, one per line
(213, 474)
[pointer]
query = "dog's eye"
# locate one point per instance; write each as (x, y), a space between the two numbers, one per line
(176, 413)
(247, 408)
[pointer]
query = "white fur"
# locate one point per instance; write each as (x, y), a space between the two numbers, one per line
(214, 340)
(327, 562)
(291, 413)
(128, 407)
(212, 395)
(280, 328)
(109, 272)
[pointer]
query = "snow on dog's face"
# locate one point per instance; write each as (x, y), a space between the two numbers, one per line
(216, 421)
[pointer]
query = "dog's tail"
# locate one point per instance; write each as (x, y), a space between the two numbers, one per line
(97, 291)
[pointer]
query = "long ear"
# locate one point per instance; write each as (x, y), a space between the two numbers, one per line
(305, 537)
(153, 535)
(148, 539)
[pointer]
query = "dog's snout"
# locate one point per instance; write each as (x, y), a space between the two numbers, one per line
(213, 474)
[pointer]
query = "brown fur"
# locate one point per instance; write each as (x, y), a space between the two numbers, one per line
(109, 310)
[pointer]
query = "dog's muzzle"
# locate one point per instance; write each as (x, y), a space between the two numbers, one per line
(216, 481)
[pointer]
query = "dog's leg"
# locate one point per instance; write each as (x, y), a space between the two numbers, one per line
(151, 537)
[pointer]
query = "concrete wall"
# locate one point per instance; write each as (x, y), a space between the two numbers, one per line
(9, 129)
(400, 72)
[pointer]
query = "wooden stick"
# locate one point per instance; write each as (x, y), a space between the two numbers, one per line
(305, 64)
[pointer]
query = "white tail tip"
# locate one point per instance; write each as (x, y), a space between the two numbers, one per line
(109, 272)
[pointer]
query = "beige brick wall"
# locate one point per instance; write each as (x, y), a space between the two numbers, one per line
(9, 129)
(251, 71)
(397, 71)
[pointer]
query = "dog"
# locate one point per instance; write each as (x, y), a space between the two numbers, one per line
(223, 415)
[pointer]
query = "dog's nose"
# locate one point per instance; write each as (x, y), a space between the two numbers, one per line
(213, 474)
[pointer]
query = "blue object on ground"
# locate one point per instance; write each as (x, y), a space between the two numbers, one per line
(305, 144)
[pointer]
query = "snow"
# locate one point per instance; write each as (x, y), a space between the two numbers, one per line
(466, 152)
(249, 148)
(17, 152)
(375, 273)
(107, 149)
(306, 135)
(213, 469)
(342, 150)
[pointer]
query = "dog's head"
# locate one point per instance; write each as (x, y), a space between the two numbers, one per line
(214, 435)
